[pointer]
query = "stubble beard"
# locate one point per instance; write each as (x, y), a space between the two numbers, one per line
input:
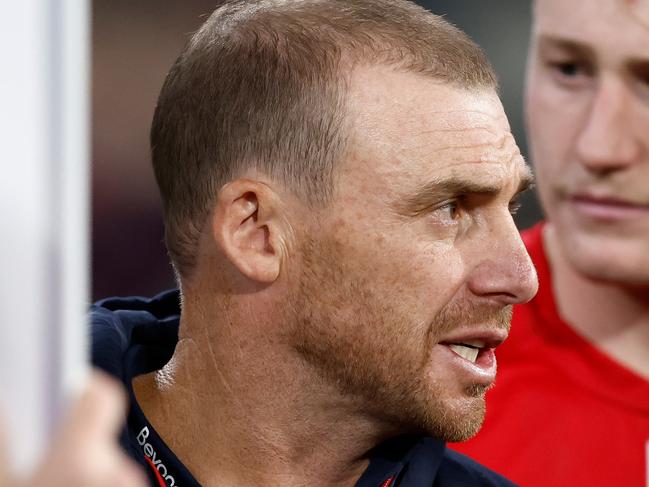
(375, 355)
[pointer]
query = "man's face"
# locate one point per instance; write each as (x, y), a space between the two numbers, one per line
(417, 255)
(588, 122)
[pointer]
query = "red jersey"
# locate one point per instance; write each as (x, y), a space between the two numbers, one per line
(562, 412)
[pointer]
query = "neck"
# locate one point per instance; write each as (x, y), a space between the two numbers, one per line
(253, 413)
(612, 317)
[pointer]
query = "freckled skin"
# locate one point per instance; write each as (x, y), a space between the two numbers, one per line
(378, 290)
(313, 366)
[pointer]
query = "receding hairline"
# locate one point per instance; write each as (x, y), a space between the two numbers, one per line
(290, 60)
(377, 43)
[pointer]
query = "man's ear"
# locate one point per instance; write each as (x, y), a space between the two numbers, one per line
(247, 226)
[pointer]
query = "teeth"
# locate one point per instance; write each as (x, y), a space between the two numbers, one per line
(475, 343)
(470, 354)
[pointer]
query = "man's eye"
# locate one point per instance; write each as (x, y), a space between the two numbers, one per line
(571, 73)
(448, 211)
(640, 72)
(567, 69)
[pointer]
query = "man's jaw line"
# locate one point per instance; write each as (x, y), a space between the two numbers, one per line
(228, 424)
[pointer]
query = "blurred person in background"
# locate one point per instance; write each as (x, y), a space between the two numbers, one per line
(338, 179)
(571, 406)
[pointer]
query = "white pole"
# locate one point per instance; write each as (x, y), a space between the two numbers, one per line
(44, 120)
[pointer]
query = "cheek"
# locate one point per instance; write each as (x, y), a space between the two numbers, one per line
(400, 266)
(410, 289)
(423, 277)
(552, 130)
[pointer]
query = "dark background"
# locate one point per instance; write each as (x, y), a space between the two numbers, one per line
(134, 44)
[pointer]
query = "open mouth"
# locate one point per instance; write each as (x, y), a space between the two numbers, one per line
(468, 350)
(473, 358)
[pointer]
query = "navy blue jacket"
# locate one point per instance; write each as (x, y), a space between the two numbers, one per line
(133, 336)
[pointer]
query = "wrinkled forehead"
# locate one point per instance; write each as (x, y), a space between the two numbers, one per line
(413, 98)
(409, 121)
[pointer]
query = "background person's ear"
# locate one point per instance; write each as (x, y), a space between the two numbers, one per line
(246, 227)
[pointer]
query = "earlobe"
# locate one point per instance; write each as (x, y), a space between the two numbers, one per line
(244, 226)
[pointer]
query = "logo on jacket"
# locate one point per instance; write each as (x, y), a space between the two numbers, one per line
(150, 452)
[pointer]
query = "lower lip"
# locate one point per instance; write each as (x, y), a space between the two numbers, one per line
(482, 371)
(604, 211)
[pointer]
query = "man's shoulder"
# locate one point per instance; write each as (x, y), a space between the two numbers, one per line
(120, 324)
(410, 462)
(459, 470)
(131, 336)
(161, 306)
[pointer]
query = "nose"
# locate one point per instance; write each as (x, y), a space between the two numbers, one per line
(607, 141)
(504, 273)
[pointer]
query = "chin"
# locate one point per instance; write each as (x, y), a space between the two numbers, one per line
(464, 425)
(611, 259)
(456, 419)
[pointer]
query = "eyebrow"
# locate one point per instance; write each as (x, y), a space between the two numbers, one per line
(436, 191)
(574, 47)
(636, 66)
